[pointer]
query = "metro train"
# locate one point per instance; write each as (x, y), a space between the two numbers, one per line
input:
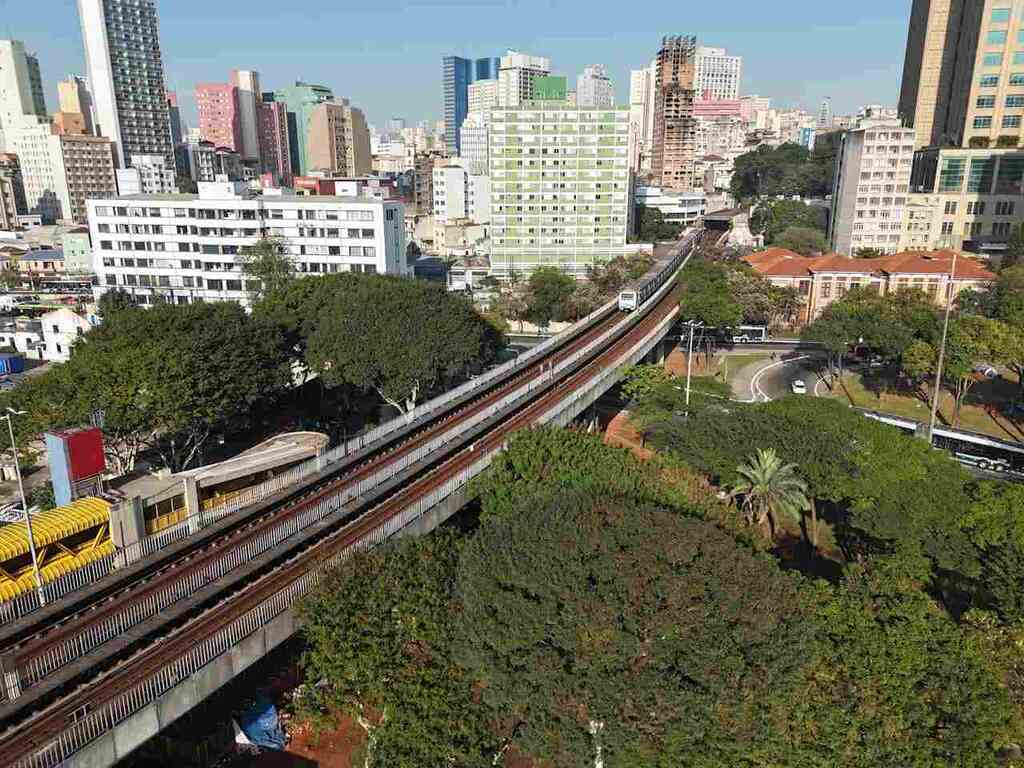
(633, 296)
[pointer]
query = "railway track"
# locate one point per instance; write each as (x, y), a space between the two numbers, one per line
(94, 706)
(46, 659)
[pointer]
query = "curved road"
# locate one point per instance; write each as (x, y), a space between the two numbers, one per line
(775, 378)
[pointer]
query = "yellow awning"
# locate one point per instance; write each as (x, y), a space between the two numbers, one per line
(52, 526)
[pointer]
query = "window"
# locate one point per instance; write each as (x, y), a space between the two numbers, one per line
(951, 208)
(1016, 79)
(996, 37)
(367, 233)
(1018, 57)
(233, 285)
(370, 251)
(990, 81)
(994, 60)
(1001, 15)
(1010, 180)
(951, 176)
(215, 285)
(1001, 229)
(986, 102)
(826, 290)
(947, 227)
(981, 175)
(976, 208)
(1004, 208)
(1015, 101)
(983, 122)
(355, 250)
(1011, 121)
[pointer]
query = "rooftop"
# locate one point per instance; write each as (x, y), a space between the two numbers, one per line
(779, 262)
(169, 197)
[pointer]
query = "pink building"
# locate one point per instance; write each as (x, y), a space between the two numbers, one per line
(275, 150)
(219, 116)
(716, 108)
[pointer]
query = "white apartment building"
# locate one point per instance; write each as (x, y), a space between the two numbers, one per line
(594, 88)
(61, 329)
(716, 74)
(148, 175)
(473, 136)
(560, 184)
(516, 76)
(641, 117)
(872, 181)
(126, 73)
(18, 72)
(184, 248)
(459, 194)
(483, 96)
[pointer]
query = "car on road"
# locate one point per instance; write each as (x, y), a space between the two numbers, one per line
(799, 387)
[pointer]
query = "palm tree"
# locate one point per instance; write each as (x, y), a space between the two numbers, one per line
(770, 488)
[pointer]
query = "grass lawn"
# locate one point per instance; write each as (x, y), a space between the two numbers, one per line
(855, 390)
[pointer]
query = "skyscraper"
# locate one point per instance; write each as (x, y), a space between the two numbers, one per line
(594, 88)
(716, 74)
(248, 84)
(641, 117)
(339, 140)
(300, 100)
(17, 88)
(486, 69)
(74, 98)
(675, 128)
(457, 74)
(825, 113)
(517, 76)
(174, 113)
(35, 82)
(275, 153)
(219, 115)
(126, 73)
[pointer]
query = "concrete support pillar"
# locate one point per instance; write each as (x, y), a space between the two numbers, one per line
(11, 679)
(127, 529)
(192, 506)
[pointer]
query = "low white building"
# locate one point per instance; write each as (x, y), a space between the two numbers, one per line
(684, 208)
(459, 195)
(149, 175)
(61, 329)
(184, 248)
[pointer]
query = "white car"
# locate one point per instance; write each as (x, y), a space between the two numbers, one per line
(799, 387)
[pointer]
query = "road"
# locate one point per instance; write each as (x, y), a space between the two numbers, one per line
(774, 379)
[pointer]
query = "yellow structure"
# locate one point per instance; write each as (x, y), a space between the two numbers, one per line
(66, 538)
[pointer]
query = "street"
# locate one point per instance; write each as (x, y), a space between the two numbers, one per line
(774, 379)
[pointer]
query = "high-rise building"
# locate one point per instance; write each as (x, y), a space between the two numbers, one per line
(483, 96)
(219, 114)
(275, 153)
(18, 98)
(174, 113)
(338, 234)
(248, 84)
(641, 117)
(594, 88)
(126, 75)
(300, 100)
(716, 74)
(72, 123)
(564, 204)
(473, 139)
(423, 180)
(35, 81)
(457, 74)
(825, 117)
(673, 144)
(339, 141)
(459, 194)
(395, 126)
(74, 98)
(873, 167)
(486, 69)
(517, 77)
(148, 175)
(12, 192)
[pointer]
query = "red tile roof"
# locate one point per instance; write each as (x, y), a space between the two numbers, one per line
(778, 262)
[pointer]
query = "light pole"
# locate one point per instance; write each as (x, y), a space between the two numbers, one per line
(689, 359)
(24, 505)
(942, 350)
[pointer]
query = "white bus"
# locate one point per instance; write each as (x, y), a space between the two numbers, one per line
(750, 334)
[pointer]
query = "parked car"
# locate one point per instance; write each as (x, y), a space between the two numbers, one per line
(799, 387)
(986, 370)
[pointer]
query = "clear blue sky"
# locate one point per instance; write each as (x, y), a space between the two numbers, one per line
(386, 56)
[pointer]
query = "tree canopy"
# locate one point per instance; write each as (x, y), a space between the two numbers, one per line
(789, 169)
(803, 240)
(773, 217)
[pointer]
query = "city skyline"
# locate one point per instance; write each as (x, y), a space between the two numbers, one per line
(397, 78)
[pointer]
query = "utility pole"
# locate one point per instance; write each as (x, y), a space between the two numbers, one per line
(942, 350)
(689, 361)
(24, 507)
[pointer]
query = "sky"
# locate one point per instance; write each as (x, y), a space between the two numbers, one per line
(385, 55)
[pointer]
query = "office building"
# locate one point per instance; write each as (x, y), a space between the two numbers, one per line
(825, 117)
(483, 96)
(641, 117)
(300, 100)
(716, 74)
(674, 139)
(473, 138)
(457, 74)
(19, 72)
(174, 114)
(184, 248)
(249, 97)
(12, 192)
(275, 151)
(219, 115)
(394, 126)
(423, 180)
(339, 140)
(126, 76)
(148, 175)
(872, 182)
(35, 81)
(560, 184)
(594, 88)
(74, 98)
(517, 77)
(72, 123)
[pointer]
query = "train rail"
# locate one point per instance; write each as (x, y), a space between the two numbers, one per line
(94, 707)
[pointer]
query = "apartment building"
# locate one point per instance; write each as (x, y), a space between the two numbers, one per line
(716, 74)
(83, 169)
(126, 76)
(517, 77)
(275, 147)
(641, 117)
(824, 279)
(148, 175)
(674, 139)
(872, 183)
(459, 194)
(474, 135)
(12, 192)
(18, 98)
(247, 83)
(74, 98)
(594, 88)
(423, 181)
(559, 186)
(339, 140)
(184, 248)
(220, 120)
(299, 101)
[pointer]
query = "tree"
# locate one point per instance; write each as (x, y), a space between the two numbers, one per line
(1013, 256)
(651, 226)
(869, 253)
(769, 489)
(638, 381)
(774, 217)
(115, 301)
(785, 170)
(802, 240)
(707, 296)
(267, 263)
(548, 293)
(400, 338)
(379, 642)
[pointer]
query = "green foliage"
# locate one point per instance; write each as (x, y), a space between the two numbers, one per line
(888, 491)
(868, 253)
(549, 292)
(774, 217)
(668, 400)
(770, 488)
(112, 302)
(1013, 256)
(379, 630)
(400, 338)
(267, 263)
(610, 277)
(803, 240)
(639, 380)
(785, 170)
(707, 296)
(651, 227)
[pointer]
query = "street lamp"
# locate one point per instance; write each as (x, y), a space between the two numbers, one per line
(692, 325)
(942, 350)
(24, 504)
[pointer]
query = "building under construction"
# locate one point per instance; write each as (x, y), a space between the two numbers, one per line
(675, 128)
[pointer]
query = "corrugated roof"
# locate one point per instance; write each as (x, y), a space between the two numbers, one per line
(52, 526)
(779, 262)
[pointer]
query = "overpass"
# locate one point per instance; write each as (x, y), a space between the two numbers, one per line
(123, 651)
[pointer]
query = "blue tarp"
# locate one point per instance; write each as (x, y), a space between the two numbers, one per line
(260, 724)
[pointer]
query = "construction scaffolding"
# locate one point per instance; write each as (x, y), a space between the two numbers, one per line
(675, 127)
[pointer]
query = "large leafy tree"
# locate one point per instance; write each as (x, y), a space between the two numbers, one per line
(380, 636)
(651, 226)
(774, 217)
(400, 338)
(785, 170)
(267, 266)
(803, 240)
(548, 294)
(707, 296)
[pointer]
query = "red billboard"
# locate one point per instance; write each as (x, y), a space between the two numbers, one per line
(85, 452)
